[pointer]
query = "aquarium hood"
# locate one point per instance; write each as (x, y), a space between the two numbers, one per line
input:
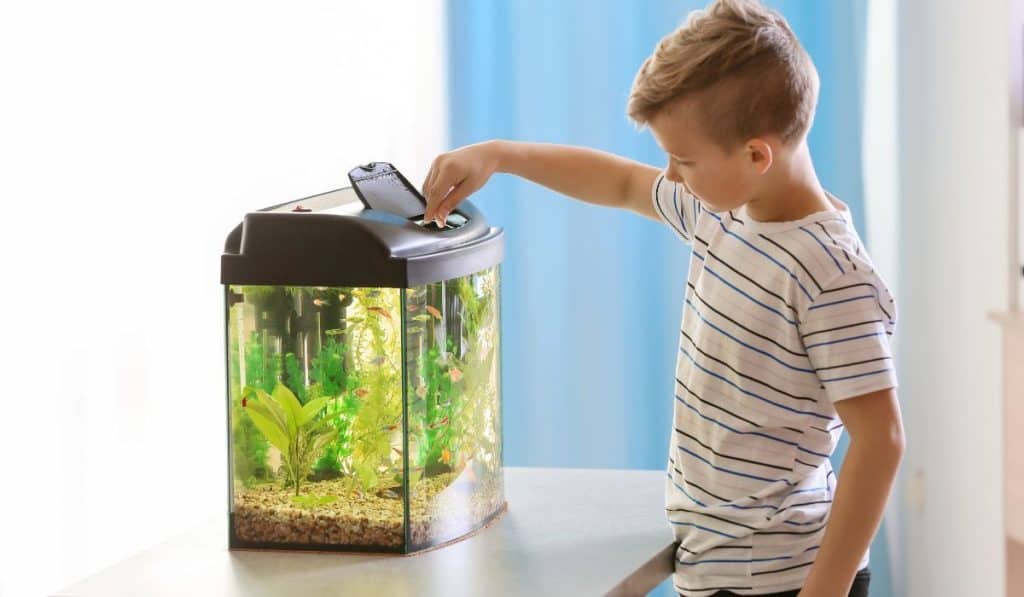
(368, 234)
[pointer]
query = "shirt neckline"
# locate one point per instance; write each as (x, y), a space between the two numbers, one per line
(750, 223)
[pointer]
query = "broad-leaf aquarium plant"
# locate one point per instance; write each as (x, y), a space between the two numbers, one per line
(291, 427)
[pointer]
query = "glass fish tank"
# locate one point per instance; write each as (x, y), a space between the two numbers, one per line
(363, 372)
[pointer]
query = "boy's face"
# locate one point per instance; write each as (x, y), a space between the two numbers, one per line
(721, 179)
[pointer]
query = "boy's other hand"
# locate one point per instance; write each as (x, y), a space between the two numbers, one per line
(455, 175)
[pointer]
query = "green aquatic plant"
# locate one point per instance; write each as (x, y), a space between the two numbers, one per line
(250, 448)
(291, 427)
(328, 371)
(329, 368)
(452, 393)
(294, 378)
(375, 401)
(262, 369)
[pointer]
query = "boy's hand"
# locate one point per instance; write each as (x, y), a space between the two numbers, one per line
(455, 175)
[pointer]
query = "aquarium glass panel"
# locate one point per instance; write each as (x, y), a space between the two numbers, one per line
(453, 380)
(315, 415)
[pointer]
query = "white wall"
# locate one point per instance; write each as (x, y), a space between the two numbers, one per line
(133, 137)
(955, 157)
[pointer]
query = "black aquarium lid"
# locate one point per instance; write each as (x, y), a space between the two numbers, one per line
(370, 234)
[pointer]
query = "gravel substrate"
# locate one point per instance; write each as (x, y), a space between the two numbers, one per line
(266, 513)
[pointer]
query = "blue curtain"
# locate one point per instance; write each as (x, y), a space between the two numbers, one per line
(592, 296)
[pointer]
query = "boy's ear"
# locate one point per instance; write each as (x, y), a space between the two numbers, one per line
(760, 154)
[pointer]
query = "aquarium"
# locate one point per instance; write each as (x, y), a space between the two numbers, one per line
(363, 372)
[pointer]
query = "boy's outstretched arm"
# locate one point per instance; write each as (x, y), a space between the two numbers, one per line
(585, 174)
(869, 469)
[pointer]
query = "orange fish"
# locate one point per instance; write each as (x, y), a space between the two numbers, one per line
(437, 424)
(361, 392)
(380, 310)
(320, 302)
(412, 307)
(421, 391)
(341, 296)
(433, 311)
(243, 401)
(455, 374)
(446, 456)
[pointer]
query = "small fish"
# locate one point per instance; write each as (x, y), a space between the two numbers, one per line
(421, 391)
(412, 308)
(377, 361)
(341, 297)
(446, 456)
(361, 392)
(244, 401)
(455, 374)
(433, 311)
(390, 493)
(420, 317)
(334, 332)
(389, 427)
(439, 423)
(397, 451)
(321, 287)
(380, 310)
(320, 302)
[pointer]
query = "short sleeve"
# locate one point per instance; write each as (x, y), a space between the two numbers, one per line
(847, 331)
(675, 207)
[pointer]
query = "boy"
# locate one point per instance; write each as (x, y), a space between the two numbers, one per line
(785, 325)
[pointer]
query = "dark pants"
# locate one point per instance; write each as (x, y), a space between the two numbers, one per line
(859, 588)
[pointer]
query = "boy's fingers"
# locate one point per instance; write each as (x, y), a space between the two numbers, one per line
(427, 186)
(460, 192)
(429, 180)
(436, 194)
(440, 185)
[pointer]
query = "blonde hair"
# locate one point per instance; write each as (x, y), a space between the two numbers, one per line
(746, 65)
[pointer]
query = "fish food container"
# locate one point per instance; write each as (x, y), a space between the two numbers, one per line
(363, 371)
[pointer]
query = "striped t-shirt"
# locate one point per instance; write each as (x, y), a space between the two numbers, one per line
(780, 320)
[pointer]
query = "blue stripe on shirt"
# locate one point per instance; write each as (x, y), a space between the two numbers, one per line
(717, 422)
(829, 253)
(844, 340)
(730, 471)
(749, 393)
(675, 201)
(853, 376)
(770, 258)
(737, 340)
(730, 285)
(723, 561)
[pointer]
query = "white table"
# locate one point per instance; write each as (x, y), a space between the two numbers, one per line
(567, 532)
